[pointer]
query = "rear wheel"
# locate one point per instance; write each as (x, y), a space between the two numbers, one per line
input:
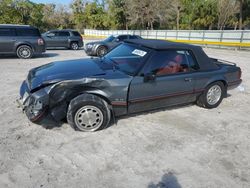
(212, 96)
(74, 46)
(101, 51)
(24, 52)
(89, 113)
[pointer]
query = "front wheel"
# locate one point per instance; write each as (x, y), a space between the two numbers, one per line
(88, 113)
(24, 52)
(212, 96)
(101, 51)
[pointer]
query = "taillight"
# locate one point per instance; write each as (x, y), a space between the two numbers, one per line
(40, 42)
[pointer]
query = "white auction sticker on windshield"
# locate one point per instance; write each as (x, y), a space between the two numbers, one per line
(139, 52)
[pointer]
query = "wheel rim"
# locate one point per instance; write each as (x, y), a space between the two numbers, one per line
(214, 95)
(89, 118)
(24, 52)
(102, 51)
(74, 46)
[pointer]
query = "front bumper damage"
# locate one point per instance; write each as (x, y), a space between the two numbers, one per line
(35, 105)
(90, 49)
(89, 52)
(50, 103)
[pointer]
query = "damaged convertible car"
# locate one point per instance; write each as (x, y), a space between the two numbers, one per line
(138, 75)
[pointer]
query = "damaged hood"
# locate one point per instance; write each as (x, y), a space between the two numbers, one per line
(63, 70)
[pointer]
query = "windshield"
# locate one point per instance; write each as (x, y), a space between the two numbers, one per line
(109, 39)
(127, 58)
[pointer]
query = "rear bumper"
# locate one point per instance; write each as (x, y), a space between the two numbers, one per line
(80, 43)
(234, 84)
(40, 49)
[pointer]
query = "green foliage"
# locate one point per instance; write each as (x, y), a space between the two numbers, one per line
(124, 14)
(8, 13)
(117, 14)
(197, 14)
(77, 7)
(94, 16)
(246, 13)
(40, 15)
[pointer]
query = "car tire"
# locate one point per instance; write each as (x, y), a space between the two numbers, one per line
(88, 106)
(101, 51)
(74, 46)
(212, 96)
(24, 52)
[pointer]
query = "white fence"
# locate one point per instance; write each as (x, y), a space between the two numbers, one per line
(213, 37)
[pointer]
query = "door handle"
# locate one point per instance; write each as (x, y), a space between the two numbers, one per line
(188, 79)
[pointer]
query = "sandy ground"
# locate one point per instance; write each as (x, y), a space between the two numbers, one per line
(177, 147)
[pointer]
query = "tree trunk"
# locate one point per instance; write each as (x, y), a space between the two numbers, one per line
(151, 25)
(241, 14)
(178, 19)
(235, 25)
(210, 27)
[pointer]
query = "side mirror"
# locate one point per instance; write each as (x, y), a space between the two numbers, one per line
(149, 77)
(117, 40)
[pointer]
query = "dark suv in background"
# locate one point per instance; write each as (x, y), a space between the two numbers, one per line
(22, 40)
(66, 38)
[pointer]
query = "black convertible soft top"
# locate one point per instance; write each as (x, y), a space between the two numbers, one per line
(204, 61)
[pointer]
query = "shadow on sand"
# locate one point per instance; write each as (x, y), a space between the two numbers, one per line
(46, 55)
(168, 180)
(50, 123)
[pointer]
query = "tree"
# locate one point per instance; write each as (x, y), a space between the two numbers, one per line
(77, 7)
(145, 14)
(206, 15)
(124, 14)
(95, 16)
(226, 10)
(117, 17)
(241, 13)
(9, 13)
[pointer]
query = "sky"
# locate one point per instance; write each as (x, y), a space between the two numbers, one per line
(65, 2)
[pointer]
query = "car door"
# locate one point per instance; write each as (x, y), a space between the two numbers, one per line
(7, 40)
(62, 38)
(167, 79)
(50, 38)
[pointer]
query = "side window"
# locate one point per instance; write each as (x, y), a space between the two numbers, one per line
(27, 32)
(122, 37)
(7, 32)
(75, 33)
(63, 34)
(192, 61)
(51, 34)
(168, 62)
(134, 37)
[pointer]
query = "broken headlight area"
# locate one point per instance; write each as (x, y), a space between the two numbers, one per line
(35, 111)
(36, 105)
